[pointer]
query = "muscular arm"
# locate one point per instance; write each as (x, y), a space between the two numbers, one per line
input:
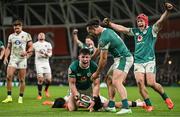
(75, 37)
(72, 86)
(95, 54)
(7, 51)
(163, 18)
(102, 61)
(29, 49)
(119, 28)
(2, 52)
(96, 87)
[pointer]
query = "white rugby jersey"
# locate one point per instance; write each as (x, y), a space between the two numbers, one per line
(39, 47)
(19, 43)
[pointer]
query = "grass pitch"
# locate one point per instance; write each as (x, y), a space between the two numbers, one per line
(34, 108)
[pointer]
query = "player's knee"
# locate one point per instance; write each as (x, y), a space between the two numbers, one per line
(151, 84)
(140, 83)
(9, 77)
(22, 81)
(40, 82)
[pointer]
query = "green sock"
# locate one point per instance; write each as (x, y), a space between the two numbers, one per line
(111, 104)
(125, 104)
(148, 102)
(164, 96)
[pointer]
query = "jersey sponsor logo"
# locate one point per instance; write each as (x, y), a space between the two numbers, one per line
(78, 74)
(139, 38)
(89, 74)
(83, 78)
(17, 42)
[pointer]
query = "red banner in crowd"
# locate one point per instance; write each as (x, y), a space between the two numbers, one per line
(56, 36)
(169, 37)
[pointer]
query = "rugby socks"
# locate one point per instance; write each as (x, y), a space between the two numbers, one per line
(9, 93)
(46, 86)
(164, 96)
(111, 104)
(125, 104)
(39, 89)
(134, 104)
(21, 95)
(148, 102)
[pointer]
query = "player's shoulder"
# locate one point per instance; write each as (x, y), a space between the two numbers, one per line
(74, 65)
(93, 64)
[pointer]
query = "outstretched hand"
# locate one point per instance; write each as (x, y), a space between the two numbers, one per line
(90, 108)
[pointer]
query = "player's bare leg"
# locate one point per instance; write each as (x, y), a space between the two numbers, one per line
(22, 75)
(47, 84)
(9, 77)
(39, 85)
(117, 80)
(111, 94)
(140, 79)
(151, 81)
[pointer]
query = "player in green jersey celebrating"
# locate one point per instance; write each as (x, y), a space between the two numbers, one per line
(80, 82)
(145, 37)
(110, 42)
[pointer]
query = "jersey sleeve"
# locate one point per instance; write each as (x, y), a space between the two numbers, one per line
(1, 44)
(94, 66)
(49, 46)
(131, 31)
(155, 30)
(71, 71)
(104, 43)
(29, 37)
(10, 39)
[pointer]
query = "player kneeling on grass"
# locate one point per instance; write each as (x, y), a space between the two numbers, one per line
(43, 50)
(79, 77)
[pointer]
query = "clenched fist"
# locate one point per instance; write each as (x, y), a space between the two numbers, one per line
(168, 6)
(106, 21)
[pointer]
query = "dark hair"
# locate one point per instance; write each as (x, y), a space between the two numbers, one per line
(93, 22)
(91, 36)
(17, 22)
(59, 103)
(84, 51)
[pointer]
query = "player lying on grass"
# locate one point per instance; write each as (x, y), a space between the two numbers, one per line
(85, 102)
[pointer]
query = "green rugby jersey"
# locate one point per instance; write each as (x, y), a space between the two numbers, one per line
(1, 44)
(112, 42)
(144, 44)
(82, 76)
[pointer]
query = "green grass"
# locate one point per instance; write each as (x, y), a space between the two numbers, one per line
(34, 108)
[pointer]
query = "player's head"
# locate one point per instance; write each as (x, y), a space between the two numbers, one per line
(59, 103)
(41, 36)
(93, 26)
(84, 57)
(142, 21)
(17, 25)
(89, 41)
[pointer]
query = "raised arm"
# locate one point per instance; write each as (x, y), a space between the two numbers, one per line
(75, 37)
(163, 18)
(116, 27)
